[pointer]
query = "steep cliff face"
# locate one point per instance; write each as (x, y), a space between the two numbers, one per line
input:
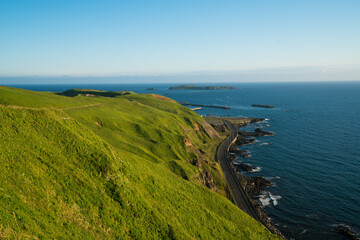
(95, 164)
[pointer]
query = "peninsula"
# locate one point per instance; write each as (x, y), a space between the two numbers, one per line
(194, 87)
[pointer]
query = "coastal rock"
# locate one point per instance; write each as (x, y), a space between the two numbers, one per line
(234, 149)
(258, 132)
(253, 186)
(232, 156)
(256, 185)
(347, 232)
(241, 141)
(244, 167)
(261, 133)
(256, 120)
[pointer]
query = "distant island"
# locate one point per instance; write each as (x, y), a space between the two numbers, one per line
(194, 87)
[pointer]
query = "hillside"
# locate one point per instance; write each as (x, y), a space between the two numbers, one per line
(88, 164)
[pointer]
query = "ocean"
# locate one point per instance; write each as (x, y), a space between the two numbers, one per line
(314, 158)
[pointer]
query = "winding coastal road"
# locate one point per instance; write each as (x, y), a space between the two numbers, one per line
(236, 189)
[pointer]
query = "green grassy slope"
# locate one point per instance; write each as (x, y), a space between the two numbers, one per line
(123, 167)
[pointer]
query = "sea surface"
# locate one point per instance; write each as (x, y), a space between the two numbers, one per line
(314, 158)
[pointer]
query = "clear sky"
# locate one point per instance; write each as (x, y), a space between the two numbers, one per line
(114, 37)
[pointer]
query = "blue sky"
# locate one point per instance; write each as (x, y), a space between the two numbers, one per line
(112, 38)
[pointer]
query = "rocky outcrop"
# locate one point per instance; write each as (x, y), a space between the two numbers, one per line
(187, 142)
(347, 232)
(254, 186)
(234, 149)
(244, 167)
(261, 133)
(258, 132)
(209, 130)
(241, 141)
(219, 128)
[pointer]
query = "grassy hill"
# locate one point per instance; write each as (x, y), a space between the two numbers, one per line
(88, 164)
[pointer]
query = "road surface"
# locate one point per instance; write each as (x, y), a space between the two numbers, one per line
(236, 189)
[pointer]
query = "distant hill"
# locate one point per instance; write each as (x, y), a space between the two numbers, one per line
(194, 87)
(88, 164)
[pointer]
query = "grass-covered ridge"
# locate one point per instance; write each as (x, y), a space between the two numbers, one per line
(111, 167)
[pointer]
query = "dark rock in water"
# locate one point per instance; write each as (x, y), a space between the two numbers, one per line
(150, 89)
(346, 231)
(256, 185)
(246, 155)
(253, 186)
(258, 132)
(232, 156)
(234, 149)
(261, 133)
(244, 167)
(241, 141)
(256, 120)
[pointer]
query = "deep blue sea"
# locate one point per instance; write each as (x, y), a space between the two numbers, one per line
(314, 158)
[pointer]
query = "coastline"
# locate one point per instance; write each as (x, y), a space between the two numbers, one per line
(252, 186)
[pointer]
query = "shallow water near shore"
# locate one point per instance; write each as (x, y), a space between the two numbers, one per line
(314, 158)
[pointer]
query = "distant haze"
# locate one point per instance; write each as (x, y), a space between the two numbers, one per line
(351, 73)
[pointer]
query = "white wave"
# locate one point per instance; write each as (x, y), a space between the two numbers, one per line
(265, 143)
(257, 169)
(274, 198)
(269, 199)
(271, 178)
(265, 201)
(266, 119)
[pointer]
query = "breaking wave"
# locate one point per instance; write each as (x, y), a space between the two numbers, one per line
(269, 199)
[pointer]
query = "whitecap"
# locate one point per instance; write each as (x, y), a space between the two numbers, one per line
(257, 169)
(269, 199)
(271, 178)
(264, 200)
(274, 198)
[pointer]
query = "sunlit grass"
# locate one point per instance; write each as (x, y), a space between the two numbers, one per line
(110, 167)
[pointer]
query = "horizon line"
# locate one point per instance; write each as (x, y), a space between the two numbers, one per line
(186, 73)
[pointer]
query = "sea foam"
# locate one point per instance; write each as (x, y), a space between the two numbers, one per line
(269, 199)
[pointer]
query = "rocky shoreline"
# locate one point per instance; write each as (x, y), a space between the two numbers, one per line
(253, 186)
